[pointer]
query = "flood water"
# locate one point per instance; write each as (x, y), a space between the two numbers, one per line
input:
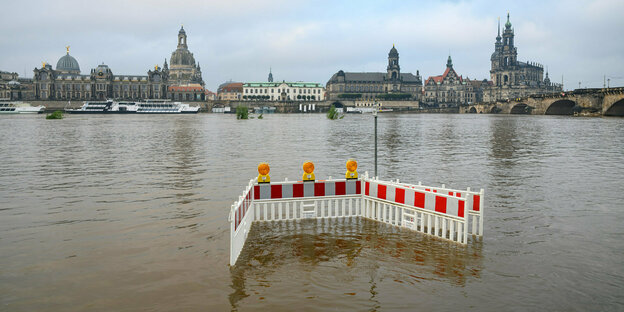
(129, 213)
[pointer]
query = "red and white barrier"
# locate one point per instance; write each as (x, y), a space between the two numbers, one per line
(475, 199)
(435, 211)
(241, 217)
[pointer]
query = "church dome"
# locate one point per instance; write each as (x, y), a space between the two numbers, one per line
(102, 70)
(182, 57)
(68, 64)
(393, 52)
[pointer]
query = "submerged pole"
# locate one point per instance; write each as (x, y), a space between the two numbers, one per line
(375, 114)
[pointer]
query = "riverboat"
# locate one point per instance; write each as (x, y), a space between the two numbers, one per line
(165, 107)
(147, 107)
(11, 107)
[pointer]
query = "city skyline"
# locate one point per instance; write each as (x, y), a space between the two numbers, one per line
(303, 42)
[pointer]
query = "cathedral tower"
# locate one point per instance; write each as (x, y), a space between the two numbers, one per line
(394, 71)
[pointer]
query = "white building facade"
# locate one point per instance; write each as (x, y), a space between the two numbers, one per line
(283, 91)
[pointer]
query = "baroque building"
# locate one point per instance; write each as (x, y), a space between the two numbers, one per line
(448, 89)
(183, 68)
(367, 86)
(510, 77)
(12, 87)
(66, 83)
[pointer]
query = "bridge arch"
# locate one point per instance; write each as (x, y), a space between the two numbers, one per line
(338, 104)
(495, 110)
(521, 109)
(561, 107)
(472, 110)
(617, 109)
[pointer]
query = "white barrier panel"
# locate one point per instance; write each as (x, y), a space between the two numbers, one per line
(476, 200)
(306, 208)
(241, 216)
(428, 212)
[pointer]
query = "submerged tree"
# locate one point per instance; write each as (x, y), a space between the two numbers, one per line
(333, 113)
(242, 112)
(55, 115)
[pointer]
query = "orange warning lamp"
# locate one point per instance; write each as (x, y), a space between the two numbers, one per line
(263, 173)
(351, 169)
(308, 171)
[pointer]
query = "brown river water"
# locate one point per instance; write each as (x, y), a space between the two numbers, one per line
(129, 213)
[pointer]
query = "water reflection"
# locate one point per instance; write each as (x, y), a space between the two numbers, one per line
(281, 255)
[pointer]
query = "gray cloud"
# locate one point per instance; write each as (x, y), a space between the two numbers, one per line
(240, 40)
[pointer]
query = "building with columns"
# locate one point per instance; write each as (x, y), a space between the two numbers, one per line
(367, 86)
(66, 82)
(510, 77)
(183, 81)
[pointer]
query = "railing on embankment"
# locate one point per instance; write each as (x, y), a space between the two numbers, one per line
(435, 211)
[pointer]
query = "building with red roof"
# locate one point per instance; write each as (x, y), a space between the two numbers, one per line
(449, 89)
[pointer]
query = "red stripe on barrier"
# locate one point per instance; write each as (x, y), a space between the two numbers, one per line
(476, 202)
(435, 191)
(381, 191)
(440, 204)
(428, 190)
(458, 194)
(450, 193)
(419, 200)
(358, 187)
(341, 188)
(460, 210)
(276, 191)
(367, 189)
(256, 191)
(298, 190)
(319, 189)
(399, 196)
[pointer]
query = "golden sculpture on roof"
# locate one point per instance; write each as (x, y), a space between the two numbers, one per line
(67, 47)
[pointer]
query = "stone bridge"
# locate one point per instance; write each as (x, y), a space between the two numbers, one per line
(584, 102)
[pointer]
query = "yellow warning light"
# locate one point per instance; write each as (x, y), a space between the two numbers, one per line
(263, 173)
(351, 169)
(308, 171)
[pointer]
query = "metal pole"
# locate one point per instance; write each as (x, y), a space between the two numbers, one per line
(375, 114)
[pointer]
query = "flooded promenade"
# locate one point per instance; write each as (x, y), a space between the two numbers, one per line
(129, 213)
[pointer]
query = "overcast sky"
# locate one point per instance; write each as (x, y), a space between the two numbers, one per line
(310, 41)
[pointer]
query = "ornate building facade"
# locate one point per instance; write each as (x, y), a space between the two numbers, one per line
(66, 83)
(12, 87)
(510, 77)
(367, 86)
(184, 71)
(448, 89)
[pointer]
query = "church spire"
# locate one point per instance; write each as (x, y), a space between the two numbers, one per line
(270, 75)
(508, 24)
(449, 62)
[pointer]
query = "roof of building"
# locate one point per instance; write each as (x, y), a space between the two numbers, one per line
(68, 63)
(277, 84)
(393, 52)
(439, 79)
(231, 87)
(372, 77)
